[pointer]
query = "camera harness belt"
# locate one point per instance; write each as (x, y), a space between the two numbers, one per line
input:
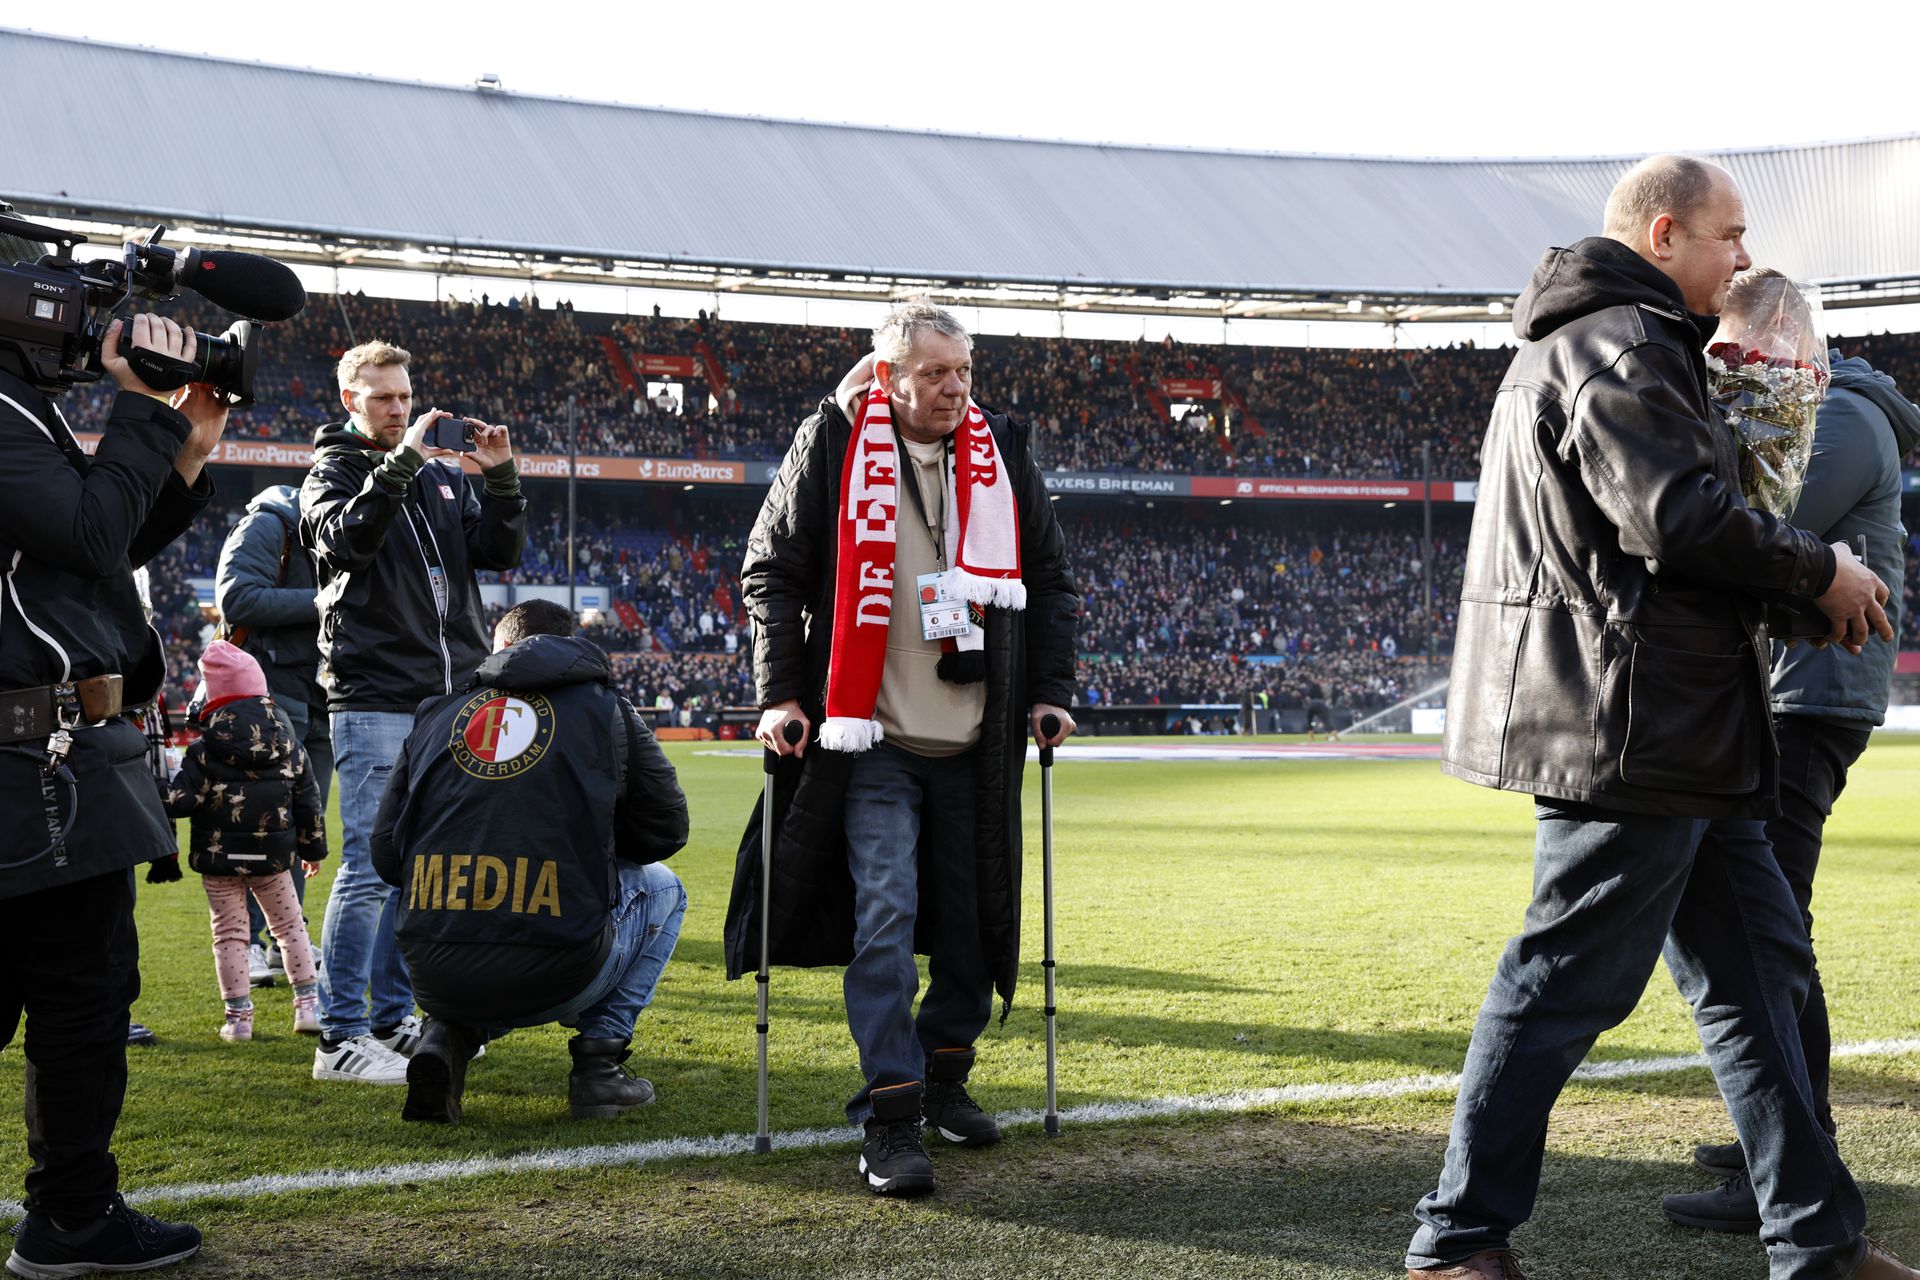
(52, 763)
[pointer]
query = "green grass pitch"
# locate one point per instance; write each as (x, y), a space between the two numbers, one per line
(1222, 926)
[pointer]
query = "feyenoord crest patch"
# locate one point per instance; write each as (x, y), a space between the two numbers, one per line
(502, 735)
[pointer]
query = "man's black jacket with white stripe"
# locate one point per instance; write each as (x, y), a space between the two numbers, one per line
(73, 529)
(375, 534)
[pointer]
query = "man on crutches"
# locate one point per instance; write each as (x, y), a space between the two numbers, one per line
(924, 629)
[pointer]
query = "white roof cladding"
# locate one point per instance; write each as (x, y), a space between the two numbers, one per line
(322, 153)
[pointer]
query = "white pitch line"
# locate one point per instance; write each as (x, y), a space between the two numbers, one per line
(606, 1155)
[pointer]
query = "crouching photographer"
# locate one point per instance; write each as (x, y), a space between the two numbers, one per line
(524, 827)
(75, 791)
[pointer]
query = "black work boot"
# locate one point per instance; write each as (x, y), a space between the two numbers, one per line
(892, 1160)
(1732, 1206)
(950, 1110)
(1721, 1159)
(437, 1072)
(598, 1087)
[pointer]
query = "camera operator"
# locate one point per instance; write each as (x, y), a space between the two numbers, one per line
(397, 535)
(75, 649)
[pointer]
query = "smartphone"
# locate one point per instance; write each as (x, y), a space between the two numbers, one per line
(451, 433)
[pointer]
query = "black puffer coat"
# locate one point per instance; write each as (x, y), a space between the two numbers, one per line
(252, 798)
(1609, 645)
(788, 583)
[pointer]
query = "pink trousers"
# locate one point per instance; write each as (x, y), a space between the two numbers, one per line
(227, 896)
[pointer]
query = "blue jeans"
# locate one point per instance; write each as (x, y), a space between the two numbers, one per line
(312, 731)
(648, 906)
(1611, 889)
(360, 956)
(910, 824)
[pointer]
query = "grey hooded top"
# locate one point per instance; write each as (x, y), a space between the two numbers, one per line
(1864, 429)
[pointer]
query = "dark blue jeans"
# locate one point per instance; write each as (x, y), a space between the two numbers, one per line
(910, 845)
(1611, 889)
(1814, 758)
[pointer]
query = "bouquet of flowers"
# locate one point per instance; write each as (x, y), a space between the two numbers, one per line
(1767, 367)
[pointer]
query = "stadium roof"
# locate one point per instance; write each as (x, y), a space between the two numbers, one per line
(331, 167)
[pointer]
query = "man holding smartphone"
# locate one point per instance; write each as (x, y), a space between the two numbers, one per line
(396, 533)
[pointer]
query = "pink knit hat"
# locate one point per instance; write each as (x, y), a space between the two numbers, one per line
(229, 673)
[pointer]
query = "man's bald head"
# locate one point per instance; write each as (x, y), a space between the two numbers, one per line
(1673, 185)
(1686, 217)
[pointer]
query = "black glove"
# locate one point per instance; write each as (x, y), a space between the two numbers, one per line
(164, 870)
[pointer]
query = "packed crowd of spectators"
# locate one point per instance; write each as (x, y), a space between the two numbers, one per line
(1184, 603)
(1096, 406)
(1910, 614)
(1192, 604)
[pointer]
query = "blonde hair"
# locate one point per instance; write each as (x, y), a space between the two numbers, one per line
(369, 353)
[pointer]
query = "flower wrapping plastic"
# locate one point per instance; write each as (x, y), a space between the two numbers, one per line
(1767, 367)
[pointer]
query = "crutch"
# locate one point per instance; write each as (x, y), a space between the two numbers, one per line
(762, 1139)
(1049, 726)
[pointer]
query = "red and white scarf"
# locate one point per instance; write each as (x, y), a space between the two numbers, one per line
(982, 546)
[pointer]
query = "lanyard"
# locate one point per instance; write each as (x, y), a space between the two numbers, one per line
(919, 503)
(429, 552)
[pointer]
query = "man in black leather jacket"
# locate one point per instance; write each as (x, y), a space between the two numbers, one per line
(75, 648)
(1610, 663)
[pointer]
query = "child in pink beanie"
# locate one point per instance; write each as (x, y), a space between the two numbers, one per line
(254, 807)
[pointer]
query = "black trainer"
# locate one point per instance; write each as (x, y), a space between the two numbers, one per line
(437, 1072)
(1721, 1159)
(892, 1160)
(121, 1239)
(949, 1109)
(1731, 1207)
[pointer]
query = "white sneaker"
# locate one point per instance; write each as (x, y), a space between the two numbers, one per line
(404, 1036)
(361, 1058)
(276, 962)
(257, 972)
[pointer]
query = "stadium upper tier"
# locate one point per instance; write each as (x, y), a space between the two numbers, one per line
(622, 193)
(1097, 406)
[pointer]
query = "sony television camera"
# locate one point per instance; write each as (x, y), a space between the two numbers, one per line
(55, 313)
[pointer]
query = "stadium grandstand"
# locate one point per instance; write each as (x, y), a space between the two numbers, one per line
(1256, 526)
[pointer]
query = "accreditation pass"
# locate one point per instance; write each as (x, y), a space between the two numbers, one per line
(942, 616)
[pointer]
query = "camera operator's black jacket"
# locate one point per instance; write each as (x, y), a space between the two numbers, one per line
(72, 531)
(384, 645)
(1609, 646)
(788, 583)
(501, 826)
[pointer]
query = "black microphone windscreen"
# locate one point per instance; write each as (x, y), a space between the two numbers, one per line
(245, 283)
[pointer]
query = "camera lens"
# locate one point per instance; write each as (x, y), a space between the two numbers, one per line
(231, 360)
